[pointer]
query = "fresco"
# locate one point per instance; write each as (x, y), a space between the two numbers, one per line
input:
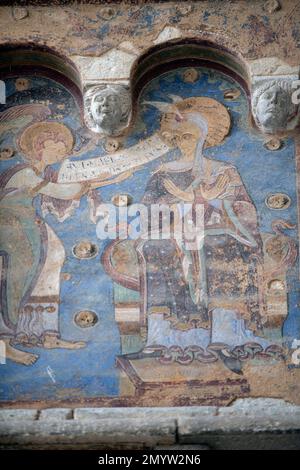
(104, 302)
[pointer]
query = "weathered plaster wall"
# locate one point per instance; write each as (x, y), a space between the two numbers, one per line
(105, 42)
(253, 29)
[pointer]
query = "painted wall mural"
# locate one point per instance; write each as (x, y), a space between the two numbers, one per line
(103, 301)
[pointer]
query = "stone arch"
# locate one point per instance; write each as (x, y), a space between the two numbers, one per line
(187, 52)
(26, 59)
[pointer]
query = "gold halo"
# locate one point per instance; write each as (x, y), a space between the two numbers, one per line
(215, 113)
(31, 133)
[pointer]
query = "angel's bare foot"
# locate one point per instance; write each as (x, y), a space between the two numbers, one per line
(21, 357)
(51, 342)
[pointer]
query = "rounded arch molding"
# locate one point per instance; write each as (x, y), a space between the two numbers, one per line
(127, 70)
(186, 53)
(29, 59)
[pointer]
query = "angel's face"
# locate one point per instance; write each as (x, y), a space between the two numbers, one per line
(53, 151)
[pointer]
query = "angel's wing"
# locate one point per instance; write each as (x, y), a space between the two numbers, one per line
(20, 116)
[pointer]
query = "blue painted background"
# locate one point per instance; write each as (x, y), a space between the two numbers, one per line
(91, 371)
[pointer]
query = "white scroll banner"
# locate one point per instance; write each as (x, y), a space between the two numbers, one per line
(107, 166)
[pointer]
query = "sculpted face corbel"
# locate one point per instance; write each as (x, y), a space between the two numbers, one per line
(273, 107)
(107, 108)
(107, 99)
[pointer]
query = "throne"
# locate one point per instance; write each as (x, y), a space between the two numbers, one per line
(124, 264)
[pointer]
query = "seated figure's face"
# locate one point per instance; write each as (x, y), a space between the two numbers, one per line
(184, 135)
(273, 108)
(188, 137)
(106, 110)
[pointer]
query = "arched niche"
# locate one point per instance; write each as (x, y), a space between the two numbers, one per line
(186, 53)
(29, 59)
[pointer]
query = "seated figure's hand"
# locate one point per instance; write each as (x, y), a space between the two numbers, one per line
(187, 196)
(216, 190)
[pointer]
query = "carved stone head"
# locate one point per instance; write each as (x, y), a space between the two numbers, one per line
(107, 108)
(272, 106)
